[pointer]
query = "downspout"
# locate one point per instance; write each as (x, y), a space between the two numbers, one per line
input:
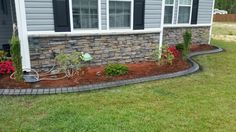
(212, 16)
(22, 33)
(162, 28)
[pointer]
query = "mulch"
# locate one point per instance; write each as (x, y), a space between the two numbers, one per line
(96, 75)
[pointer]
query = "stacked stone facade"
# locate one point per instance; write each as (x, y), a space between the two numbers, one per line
(174, 35)
(104, 48)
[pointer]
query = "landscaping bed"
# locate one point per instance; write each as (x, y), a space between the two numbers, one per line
(201, 47)
(96, 74)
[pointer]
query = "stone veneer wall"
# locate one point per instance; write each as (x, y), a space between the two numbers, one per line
(173, 35)
(104, 48)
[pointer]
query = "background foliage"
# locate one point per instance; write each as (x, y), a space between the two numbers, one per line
(228, 5)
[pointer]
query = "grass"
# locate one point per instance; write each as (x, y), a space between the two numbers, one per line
(205, 101)
(224, 28)
(224, 31)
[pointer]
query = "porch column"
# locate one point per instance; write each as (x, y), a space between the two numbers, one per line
(22, 32)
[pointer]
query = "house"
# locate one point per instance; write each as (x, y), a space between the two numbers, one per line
(111, 30)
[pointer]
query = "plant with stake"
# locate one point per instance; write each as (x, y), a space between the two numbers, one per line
(186, 45)
(16, 58)
(69, 63)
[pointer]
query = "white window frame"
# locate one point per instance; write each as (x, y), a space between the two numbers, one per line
(84, 30)
(190, 15)
(173, 13)
(131, 16)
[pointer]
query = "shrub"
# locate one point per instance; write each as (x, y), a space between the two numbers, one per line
(180, 47)
(3, 56)
(116, 69)
(187, 41)
(16, 57)
(173, 50)
(6, 67)
(69, 63)
(168, 54)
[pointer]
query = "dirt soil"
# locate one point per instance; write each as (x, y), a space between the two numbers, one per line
(201, 47)
(96, 75)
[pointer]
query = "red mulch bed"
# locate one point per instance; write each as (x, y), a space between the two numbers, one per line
(201, 47)
(91, 76)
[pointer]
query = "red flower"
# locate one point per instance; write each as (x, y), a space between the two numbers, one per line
(6, 67)
(174, 51)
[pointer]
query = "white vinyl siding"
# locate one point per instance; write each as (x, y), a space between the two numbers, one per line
(153, 10)
(205, 11)
(39, 15)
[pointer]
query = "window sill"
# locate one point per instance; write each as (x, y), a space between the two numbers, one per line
(185, 25)
(91, 33)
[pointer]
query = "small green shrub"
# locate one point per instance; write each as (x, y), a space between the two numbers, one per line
(116, 69)
(180, 47)
(16, 57)
(186, 45)
(69, 63)
(3, 55)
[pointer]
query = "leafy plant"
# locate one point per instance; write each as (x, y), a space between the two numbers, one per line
(6, 67)
(174, 51)
(116, 69)
(3, 55)
(168, 54)
(187, 41)
(69, 63)
(180, 47)
(16, 57)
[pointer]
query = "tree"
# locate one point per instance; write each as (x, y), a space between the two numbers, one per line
(228, 5)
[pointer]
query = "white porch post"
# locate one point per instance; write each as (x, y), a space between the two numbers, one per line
(162, 28)
(212, 16)
(22, 32)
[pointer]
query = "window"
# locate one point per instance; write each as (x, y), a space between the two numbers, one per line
(184, 11)
(85, 14)
(119, 14)
(169, 8)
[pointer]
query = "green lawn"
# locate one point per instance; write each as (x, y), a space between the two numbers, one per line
(224, 31)
(205, 101)
(224, 28)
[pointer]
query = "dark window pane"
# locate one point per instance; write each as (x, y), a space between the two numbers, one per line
(85, 13)
(168, 14)
(184, 14)
(119, 14)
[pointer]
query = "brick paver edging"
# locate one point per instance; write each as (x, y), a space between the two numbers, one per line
(32, 91)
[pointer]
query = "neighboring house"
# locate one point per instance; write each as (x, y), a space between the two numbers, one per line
(217, 11)
(111, 30)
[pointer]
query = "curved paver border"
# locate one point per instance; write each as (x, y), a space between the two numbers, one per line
(32, 91)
